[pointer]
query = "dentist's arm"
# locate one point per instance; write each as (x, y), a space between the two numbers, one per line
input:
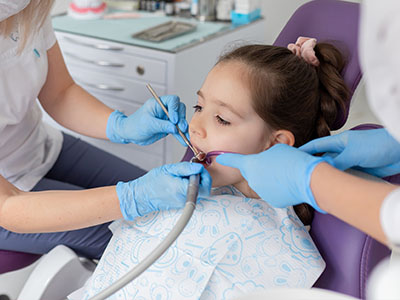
(69, 104)
(50, 211)
(74, 108)
(162, 188)
(292, 176)
(373, 151)
(354, 200)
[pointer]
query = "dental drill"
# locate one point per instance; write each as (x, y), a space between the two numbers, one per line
(191, 197)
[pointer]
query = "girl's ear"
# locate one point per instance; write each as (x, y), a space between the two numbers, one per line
(281, 137)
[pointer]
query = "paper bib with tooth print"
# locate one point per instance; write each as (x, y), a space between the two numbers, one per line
(232, 246)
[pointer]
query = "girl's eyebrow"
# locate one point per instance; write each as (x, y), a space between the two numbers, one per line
(222, 103)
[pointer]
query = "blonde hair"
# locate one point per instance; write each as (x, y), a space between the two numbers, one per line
(29, 20)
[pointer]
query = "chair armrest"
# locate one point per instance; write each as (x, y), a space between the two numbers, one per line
(58, 273)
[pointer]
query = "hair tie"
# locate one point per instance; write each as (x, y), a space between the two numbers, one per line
(304, 48)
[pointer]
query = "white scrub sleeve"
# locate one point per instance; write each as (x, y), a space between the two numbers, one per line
(48, 33)
(390, 216)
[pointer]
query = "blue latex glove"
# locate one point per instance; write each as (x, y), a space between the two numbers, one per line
(373, 151)
(149, 123)
(280, 175)
(162, 188)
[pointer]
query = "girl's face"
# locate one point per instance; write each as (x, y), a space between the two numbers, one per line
(225, 120)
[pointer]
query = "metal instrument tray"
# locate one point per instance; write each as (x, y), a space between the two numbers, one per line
(165, 31)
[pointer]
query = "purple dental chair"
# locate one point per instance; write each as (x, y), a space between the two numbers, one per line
(350, 254)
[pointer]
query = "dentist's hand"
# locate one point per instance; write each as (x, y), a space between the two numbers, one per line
(162, 188)
(149, 123)
(280, 175)
(373, 151)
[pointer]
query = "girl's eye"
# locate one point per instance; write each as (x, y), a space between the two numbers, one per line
(197, 108)
(222, 121)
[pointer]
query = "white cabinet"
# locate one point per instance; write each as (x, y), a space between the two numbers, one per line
(117, 74)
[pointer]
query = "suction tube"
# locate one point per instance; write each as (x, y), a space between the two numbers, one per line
(191, 197)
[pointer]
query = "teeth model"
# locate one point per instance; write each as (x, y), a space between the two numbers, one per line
(86, 9)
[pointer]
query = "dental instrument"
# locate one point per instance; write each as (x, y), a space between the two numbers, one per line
(198, 154)
(187, 213)
(207, 158)
(190, 205)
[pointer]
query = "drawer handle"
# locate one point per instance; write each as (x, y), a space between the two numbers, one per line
(96, 46)
(140, 70)
(102, 63)
(103, 86)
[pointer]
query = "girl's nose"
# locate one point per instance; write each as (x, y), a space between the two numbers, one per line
(196, 128)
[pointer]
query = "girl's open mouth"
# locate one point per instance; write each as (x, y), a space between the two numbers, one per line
(208, 158)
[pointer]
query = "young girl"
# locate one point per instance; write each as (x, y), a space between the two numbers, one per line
(235, 244)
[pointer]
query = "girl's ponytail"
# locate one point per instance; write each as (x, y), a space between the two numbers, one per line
(333, 92)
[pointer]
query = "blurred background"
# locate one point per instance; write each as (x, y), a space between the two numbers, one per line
(276, 14)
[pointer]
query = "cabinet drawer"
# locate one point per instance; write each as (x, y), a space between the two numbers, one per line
(78, 50)
(130, 90)
(129, 152)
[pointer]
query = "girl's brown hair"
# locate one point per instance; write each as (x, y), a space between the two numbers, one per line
(288, 93)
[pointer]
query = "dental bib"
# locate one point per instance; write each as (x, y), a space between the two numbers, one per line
(232, 246)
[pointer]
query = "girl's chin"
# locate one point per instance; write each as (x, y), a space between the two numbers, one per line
(218, 179)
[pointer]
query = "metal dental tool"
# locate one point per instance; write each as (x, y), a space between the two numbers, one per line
(198, 154)
(190, 205)
(207, 159)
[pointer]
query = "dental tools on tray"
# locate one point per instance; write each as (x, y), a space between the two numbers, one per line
(165, 31)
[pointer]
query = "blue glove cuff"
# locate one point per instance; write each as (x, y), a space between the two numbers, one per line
(113, 124)
(309, 193)
(127, 202)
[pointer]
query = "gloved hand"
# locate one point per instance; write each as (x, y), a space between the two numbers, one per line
(162, 188)
(280, 175)
(149, 123)
(373, 151)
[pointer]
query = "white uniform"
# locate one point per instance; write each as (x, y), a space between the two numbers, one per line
(380, 43)
(28, 147)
